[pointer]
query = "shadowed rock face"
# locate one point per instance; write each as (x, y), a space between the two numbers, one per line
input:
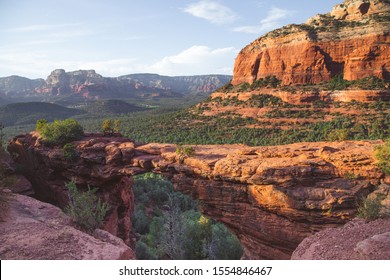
(352, 40)
(270, 197)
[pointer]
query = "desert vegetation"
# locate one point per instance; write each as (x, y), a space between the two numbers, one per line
(60, 132)
(85, 208)
(382, 153)
(170, 226)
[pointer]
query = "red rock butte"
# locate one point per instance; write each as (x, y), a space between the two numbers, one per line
(352, 41)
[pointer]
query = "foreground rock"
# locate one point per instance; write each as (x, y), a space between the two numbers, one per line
(357, 240)
(48, 171)
(34, 230)
(270, 197)
(351, 41)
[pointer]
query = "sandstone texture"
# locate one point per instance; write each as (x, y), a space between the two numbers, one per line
(307, 97)
(270, 197)
(48, 171)
(357, 240)
(351, 41)
(35, 230)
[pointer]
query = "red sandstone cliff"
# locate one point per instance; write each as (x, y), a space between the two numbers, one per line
(352, 40)
(270, 197)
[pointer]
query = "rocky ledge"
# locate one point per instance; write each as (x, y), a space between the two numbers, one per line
(357, 240)
(270, 197)
(35, 230)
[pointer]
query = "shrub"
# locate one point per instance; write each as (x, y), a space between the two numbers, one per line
(244, 87)
(85, 208)
(144, 252)
(369, 209)
(40, 124)
(107, 127)
(70, 152)
(338, 83)
(117, 126)
(338, 135)
(224, 245)
(60, 132)
(141, 222)
(382, 153)
(184, 152)
(226, 87)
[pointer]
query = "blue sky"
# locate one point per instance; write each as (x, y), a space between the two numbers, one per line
(117, 37)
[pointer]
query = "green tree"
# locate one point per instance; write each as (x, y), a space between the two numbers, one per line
(140, 220)
(117, 126)
(224, 245)
(107, 127)
(369, 209)
(172, 232)
(382, 154)
(40, 124)
(85, 208)
(144, 252)
(61, 132)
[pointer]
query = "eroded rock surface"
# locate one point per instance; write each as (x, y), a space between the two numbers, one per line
(357, 240)
(270, 197)
(34, 230)
(351, 41)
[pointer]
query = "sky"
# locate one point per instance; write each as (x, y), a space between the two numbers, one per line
(119, 37)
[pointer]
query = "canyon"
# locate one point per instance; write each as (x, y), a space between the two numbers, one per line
(271, 198)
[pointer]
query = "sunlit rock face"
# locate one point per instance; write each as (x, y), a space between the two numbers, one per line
(352, 41)
(270, 197)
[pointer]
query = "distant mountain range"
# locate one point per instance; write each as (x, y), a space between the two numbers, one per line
(87, 84)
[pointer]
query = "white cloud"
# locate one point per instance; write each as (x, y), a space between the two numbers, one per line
(111, 68)
(270, 22)
(43, 27)
(196, 60)
(39, 64)
(211, 11)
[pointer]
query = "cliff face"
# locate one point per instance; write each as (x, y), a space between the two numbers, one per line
(352, 40)
(270, 197)
(48, 171)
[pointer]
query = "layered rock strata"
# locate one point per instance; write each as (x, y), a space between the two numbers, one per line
(270, 197)
(352, 41)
